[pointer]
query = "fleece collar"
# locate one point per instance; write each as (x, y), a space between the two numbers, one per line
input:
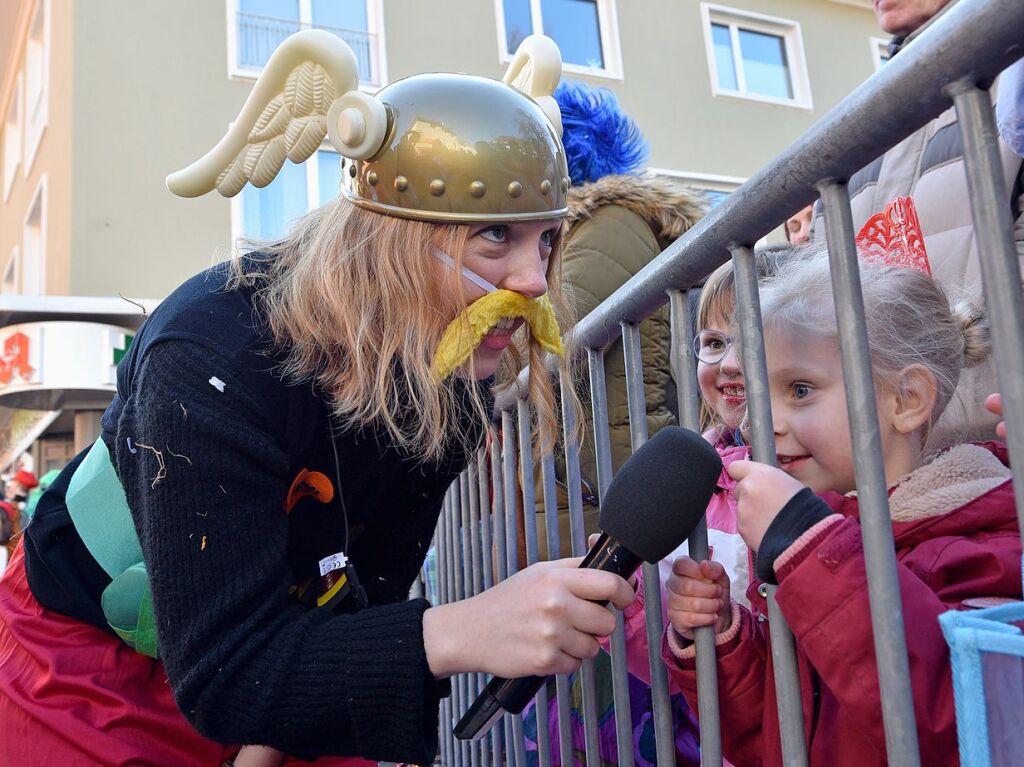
(953, 479)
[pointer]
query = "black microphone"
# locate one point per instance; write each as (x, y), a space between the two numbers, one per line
(652, 505)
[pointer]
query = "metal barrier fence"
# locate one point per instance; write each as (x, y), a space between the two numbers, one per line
(952, 62)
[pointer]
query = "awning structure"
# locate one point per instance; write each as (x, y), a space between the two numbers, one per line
(123, 312)
(29, 425)
(59, 353)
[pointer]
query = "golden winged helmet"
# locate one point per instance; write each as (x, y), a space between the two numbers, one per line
(450, 148)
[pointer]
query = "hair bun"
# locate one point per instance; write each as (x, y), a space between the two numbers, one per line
(977, 332)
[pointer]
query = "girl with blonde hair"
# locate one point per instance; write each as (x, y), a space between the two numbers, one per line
(954, 523)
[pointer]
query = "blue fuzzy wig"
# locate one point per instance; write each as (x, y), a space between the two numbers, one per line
(600, 139)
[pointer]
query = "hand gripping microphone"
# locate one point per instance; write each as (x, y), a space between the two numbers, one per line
(652, 505)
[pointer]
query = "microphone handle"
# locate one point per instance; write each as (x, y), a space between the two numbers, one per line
(511, 695)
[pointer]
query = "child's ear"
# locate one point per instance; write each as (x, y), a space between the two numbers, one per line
(912, 401)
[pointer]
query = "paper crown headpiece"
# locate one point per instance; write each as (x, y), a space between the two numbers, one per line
(448, 148)
(893, 237)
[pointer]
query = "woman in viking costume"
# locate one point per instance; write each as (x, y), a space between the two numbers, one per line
(230, 562)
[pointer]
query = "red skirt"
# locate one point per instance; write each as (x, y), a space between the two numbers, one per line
(73, 695)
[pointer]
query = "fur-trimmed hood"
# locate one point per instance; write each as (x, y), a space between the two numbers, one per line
(667, 205)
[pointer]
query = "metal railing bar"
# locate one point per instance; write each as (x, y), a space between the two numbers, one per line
(554, 546)
(1000, 267)
(526, 479)
(467, 680)
(603, 459)
(579, 545)
(664, 740)
(458, 702)
(477, 524)
(532, 556)
(684, 363)
(872, 488)
(482, 476)
(498, 504)
(508, 457)
(759, 410)
(441, 562)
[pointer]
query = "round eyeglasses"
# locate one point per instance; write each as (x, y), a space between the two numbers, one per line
(711, 346)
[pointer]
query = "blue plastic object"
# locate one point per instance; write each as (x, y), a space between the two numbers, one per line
(987, 654)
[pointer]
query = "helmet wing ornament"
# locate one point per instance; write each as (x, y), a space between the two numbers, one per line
(535, 70)
(311, 78)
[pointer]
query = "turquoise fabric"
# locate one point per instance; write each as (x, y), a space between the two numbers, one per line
(99, 510)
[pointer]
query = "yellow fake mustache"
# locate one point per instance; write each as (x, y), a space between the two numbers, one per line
(464, 334)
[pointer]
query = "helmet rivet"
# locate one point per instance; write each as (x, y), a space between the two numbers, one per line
(371, 177)
(477, 188)
(437, 187)
(565, 185)
(401, 183)
(545, 186)
(352, 170)
(515, 189)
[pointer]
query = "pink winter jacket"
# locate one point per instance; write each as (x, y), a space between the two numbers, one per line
(956, 537)
(728, 549)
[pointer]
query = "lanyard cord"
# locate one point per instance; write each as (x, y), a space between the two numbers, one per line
(341, 495)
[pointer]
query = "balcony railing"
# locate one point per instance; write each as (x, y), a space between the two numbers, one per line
(259, 36)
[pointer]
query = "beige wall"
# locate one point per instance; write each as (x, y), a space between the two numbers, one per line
(666, 85)
(151, 95)
(146, 91)
(52, 159)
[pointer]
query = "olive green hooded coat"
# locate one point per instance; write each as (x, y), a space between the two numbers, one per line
(617, 225)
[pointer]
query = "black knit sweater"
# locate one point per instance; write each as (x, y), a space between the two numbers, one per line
(247, 662)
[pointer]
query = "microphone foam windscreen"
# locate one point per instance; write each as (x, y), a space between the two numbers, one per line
(659, 495)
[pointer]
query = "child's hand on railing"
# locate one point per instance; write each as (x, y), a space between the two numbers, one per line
(760, 495)
(994, 404)
(698, 595)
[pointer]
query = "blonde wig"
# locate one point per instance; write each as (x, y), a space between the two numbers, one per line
(354, 300)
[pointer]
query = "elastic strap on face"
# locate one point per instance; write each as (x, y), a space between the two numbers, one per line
(468, 273)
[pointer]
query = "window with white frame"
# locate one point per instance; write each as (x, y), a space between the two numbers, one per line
(13, 124)
(757, 57)
(9, 281)
(37, 80)
(586, 31)
(257, 27)
(33, 240)
(714, 187)
(879, 52)
(268, 213)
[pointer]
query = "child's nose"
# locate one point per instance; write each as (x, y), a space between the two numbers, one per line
(731, 362)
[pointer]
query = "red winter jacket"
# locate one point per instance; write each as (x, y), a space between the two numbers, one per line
(956, 537)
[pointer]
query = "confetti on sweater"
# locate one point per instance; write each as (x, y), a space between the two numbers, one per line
(217, 384)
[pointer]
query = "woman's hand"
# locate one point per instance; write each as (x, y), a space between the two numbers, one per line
(760, 495)
(543, 620)
(698, 595)
(994, 404)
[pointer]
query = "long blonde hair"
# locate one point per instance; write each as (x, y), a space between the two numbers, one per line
(353, 300)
